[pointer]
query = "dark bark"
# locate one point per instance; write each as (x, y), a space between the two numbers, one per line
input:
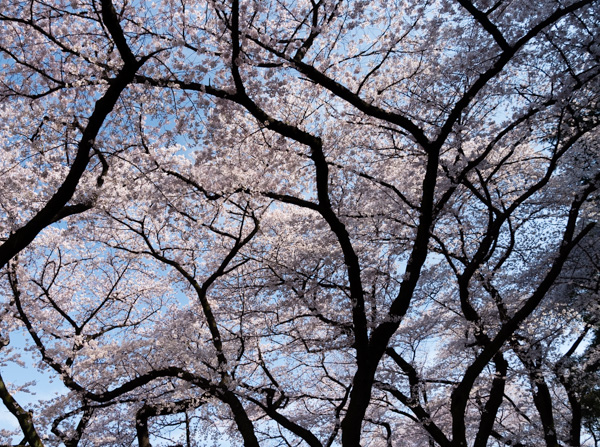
(413, 402)
(576, 413)
(490, 410)
(152, 410)
(24, 417)
(56, 208)
(303, 433)
(543, 403)
(461, 393)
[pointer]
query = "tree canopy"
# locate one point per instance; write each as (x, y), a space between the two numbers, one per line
(300, 222)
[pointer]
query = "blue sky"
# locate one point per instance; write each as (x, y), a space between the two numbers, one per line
(15, 376)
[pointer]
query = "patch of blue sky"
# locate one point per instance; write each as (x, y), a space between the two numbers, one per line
(41, 386)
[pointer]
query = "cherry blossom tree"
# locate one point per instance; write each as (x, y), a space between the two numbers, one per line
(309, 223)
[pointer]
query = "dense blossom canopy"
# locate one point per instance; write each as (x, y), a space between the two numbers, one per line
(301, 222)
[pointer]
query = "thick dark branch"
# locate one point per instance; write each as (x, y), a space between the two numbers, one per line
(413, 402)
(421, 414)
(24, 417)
(72, 440)
(461, 393)
(70, 210)
(490, 410)
(380, 336)
(54, 208)
(222, 391)
(354, 99)
(322, 182)
(288, 424)
(152, 410)
(505, 440)
(499, 65)
(485, 22)
(543, 403)
(111, 21)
